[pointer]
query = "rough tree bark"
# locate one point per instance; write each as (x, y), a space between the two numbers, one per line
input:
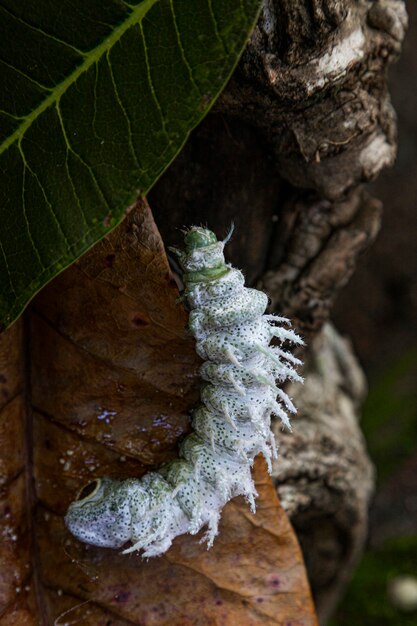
(304, 122)
(324, 477)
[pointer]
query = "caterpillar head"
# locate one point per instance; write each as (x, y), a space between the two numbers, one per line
(198, 237)
(101, 514)
(203, 258)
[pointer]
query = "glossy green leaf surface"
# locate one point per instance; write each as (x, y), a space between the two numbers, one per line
(97, 98)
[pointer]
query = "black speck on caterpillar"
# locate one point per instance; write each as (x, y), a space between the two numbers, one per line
(241, 373)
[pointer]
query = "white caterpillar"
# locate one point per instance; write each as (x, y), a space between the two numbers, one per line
(231, 424)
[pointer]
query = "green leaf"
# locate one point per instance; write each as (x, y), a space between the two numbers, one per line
(97, 98)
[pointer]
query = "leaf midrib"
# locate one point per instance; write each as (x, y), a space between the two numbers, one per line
(90, 58)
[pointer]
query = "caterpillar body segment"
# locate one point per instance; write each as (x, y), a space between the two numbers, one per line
(231, 424)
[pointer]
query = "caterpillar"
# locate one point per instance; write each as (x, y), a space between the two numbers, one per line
(231, 425)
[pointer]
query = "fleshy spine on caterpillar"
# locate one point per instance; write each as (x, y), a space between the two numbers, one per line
(231, 424)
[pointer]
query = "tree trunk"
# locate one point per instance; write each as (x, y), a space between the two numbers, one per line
(304, 122)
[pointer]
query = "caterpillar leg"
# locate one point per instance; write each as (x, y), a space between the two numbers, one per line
(159, 526)
(250, 494)
(213, 529)
(158, 547)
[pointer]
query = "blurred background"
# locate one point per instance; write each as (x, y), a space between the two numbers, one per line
(383, 328)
